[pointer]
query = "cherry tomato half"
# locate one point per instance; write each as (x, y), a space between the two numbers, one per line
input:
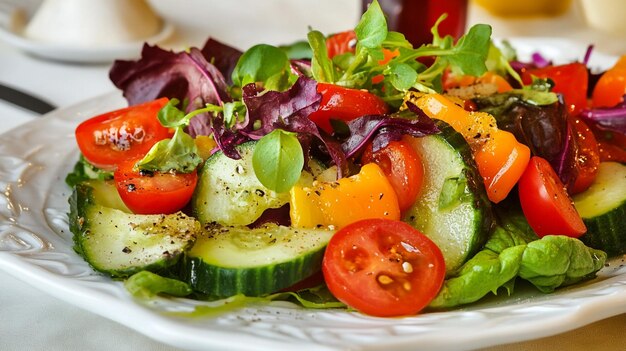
(153, 192)
(383, 267)
(571, 80)
(110, 138)
(344, 104)
(611, 152)
(545, 202)
(588, 156)
(403, 167)
(341, 43)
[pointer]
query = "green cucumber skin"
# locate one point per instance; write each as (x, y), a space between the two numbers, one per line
(224, 282)
(607, 232)
(227, 261)
(603, 209)
(82, 204)
(483, 218)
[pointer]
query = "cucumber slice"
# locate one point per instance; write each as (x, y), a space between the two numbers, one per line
(226, 261)
(453, 209)
(118, 243)
(603, 209)
(229, 193)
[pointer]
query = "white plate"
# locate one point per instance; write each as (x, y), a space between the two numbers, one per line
(80, 54)
(36, 246)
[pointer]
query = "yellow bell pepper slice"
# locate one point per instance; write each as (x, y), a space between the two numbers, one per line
(367, 194)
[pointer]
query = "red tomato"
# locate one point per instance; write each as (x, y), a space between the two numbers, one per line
(383, 267)
(545, 202)
(153, 192)
(570, 80)
(110, 138)
(341, 43)
(611, 152)
(588, 156)
(611, 87)
(344, 104)
(403, 167)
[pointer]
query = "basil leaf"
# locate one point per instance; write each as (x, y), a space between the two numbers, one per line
(402, 76)
(437, 39)
(171, 116)
(278, 160)
(371, 30)
(396, 40)
(179, 153)
(262, 63)
(298, 50)
(234, 112)
(471, 50)
(321, 66)
(498, 62)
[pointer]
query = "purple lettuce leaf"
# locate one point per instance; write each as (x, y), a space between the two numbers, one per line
(288, 110)
(587, 56)
(301, 67)
(187, 76)
(222, 56)
(611, 119)
(536, 61)
(380, 130)
(539, 61)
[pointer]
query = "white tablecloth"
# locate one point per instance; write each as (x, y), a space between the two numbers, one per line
(32, 320)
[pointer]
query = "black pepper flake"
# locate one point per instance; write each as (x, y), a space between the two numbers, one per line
(126, 250)
(131, 187)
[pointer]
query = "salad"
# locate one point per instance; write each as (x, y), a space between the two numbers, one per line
(353, 171)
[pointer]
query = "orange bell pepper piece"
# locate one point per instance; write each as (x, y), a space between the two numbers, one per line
(611, 87)
(367, 194)
(501, 162)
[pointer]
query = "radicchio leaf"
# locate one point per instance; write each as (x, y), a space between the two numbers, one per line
(612, 119)
(301, 68)
(540, 61)
(222, 56)
(187, 76)
(380, 130)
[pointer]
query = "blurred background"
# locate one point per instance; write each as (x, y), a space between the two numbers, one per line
(243, 23)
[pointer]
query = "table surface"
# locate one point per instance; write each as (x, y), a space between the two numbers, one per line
(32, 320)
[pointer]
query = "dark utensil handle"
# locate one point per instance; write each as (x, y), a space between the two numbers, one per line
(24, 100)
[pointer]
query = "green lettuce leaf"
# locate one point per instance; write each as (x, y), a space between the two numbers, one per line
(485, 272)
(83, 170)
(147, 285)
(557, 260)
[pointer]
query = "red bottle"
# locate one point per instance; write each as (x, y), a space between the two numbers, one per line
(414, 18)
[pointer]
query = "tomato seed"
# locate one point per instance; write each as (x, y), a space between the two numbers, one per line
(406, 286)
(384, 279)
(407, 267)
